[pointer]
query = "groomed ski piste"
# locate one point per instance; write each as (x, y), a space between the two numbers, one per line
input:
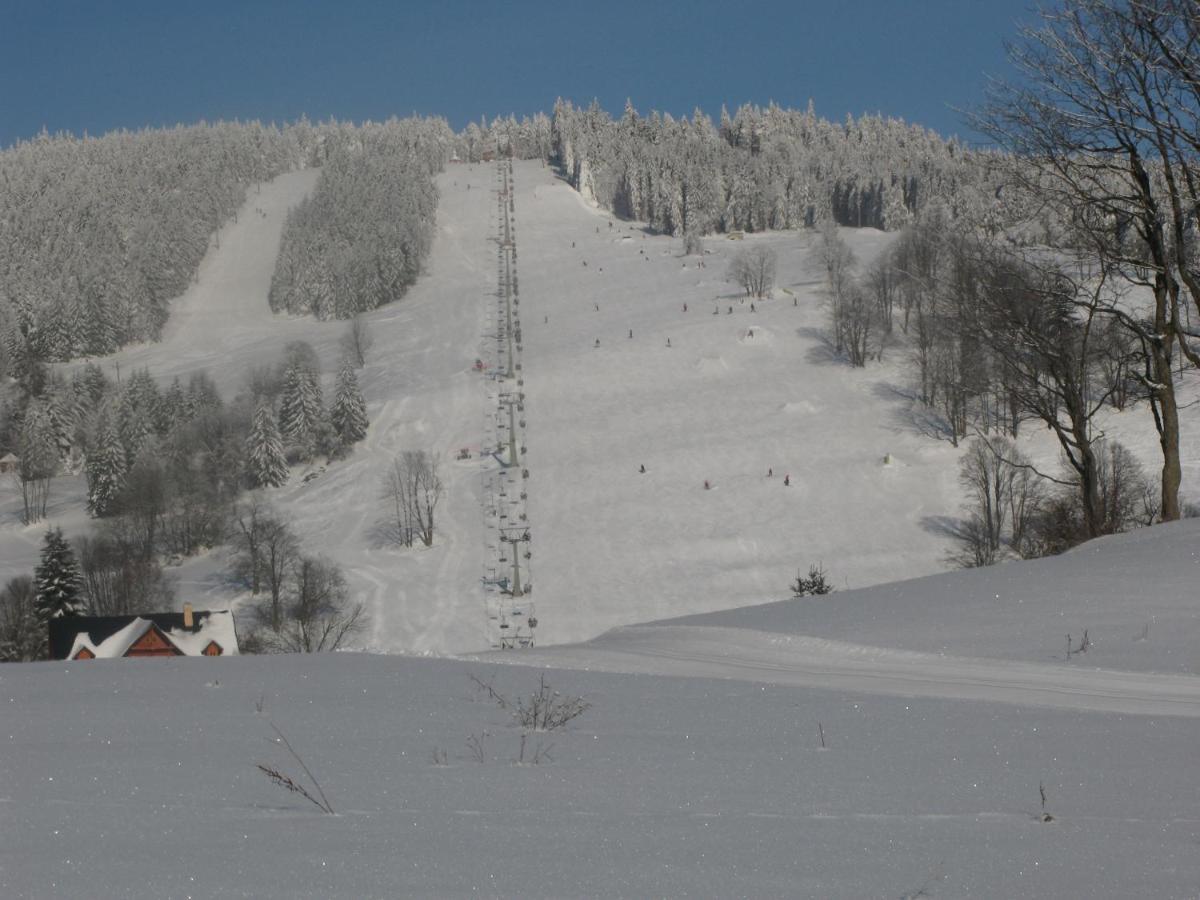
(893, 739)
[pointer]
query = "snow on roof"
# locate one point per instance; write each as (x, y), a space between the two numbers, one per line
(115, 645)
(216, 626)
(211, 625)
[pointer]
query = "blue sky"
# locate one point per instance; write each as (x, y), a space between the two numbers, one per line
(104, 64)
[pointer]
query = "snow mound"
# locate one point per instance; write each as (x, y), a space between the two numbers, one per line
(800, 407)
(711, 364)
(756, 337)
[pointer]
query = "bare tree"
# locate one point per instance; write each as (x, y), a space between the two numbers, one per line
(413, 488)
(38, 462)
(1104, 127)
(834, 255)
(357, 341)
(883, 283)
(267, 553)
(320, 614)
(118, 578)
(754, 270)
(856, 320)
(1039, 323)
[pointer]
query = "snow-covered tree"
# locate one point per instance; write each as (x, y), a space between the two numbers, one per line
(349, 411)
(301, 408)
(359, 240)
(56, 579)
(266, 463)
(105, 467)
(98, 233)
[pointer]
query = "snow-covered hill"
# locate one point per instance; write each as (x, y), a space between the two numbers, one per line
(768, 764)
(889, 740)
(737, 394)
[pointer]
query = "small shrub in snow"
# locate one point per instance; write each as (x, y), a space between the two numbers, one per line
(815, 584)
(543, 710)
(288, 783)
(475, 745)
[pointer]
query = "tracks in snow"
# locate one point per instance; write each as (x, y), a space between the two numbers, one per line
(797, 660)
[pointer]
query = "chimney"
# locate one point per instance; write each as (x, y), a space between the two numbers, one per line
(187, 616)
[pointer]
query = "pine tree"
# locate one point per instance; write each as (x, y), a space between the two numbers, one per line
(202, 395)
(349, 412)
(105, 468)
(267, 463)
(175, 405)
(56, 580)
(90, 385)
(300, 408)
(135, 426)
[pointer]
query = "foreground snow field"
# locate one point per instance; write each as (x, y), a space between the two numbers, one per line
(137, 779)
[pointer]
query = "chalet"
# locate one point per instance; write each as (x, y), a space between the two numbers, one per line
(187, 633)
(9, 462)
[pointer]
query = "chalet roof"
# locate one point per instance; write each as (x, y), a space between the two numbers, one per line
(111, 636)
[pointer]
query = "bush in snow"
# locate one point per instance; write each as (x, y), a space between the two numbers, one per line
(815, 584)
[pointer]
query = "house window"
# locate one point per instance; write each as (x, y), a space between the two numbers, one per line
(213, 649)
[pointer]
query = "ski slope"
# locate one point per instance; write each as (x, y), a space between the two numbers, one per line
(737, 394)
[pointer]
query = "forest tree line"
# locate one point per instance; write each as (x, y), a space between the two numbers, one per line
(762, 169)
(360, 240)
(98, 235)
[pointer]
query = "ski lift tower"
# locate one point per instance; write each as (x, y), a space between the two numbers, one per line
(518, 622)
(506, 399)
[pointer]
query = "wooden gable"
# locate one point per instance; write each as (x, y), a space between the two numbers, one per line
(153, 643)
(212, 649)
(84, 653)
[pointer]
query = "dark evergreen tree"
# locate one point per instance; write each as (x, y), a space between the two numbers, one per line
(56, 580)
(266, 463)
(349, 411)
